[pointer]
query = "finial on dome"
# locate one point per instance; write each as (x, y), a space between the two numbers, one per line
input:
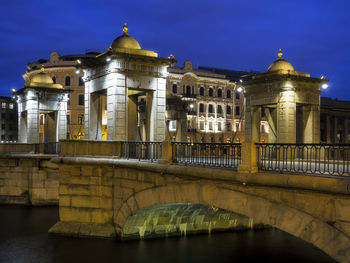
(125, 28)
(42, 68)
(280, 53)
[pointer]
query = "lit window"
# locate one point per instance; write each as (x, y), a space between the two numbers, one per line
(172, 125)
(210, 126)
(11, 106)
(3, 105)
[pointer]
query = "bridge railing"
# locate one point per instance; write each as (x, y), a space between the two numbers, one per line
(150, 151)
(328, 159)
(226, 155)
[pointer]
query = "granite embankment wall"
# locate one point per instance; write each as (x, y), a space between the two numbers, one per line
(28, 179)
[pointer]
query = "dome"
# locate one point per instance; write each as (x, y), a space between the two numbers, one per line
(125, 41)
(40, 79)
(280, 64)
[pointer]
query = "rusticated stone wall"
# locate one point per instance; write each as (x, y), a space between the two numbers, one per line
(28, 180)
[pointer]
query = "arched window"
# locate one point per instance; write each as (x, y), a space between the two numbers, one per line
(219, 109)
(54, 79)
(174, 88)
(228, 94)
(67, 83)
(238, 95)
(220, 93)
(201, 107)
(228, 109)
(210, 109)
(237, 110)
(210, 92)
(81, 81)
(201, 91)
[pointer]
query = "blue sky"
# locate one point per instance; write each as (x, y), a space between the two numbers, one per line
(241, 35)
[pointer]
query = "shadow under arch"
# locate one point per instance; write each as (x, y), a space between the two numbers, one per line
(288, 219)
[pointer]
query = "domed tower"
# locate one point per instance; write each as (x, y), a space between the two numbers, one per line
(42, 110)
(290, 100)
(116, 83)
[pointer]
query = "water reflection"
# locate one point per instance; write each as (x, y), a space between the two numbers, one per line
(24, 238)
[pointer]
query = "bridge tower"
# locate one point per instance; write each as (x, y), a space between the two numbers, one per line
(125, 92)
(290, 100)
(42, 110)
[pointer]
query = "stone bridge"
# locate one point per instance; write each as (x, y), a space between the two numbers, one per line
(98, 195)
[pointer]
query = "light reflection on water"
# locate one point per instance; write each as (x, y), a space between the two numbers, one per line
(24, 238)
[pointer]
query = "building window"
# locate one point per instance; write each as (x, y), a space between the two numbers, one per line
(81, 99)
(68, 119)
(3, 105)
(81, 81)
(212, 139)
(219, 126)
(11, 106)
(210, 92)
(210, 109)
(238, 95)
(10, 137)
(188, 91)
(3, 137)
(201, 91)
(228, 126)
(172, 125)
(3, 116)
(201, 107)
(201, 125)
(220, 93)
(67, 83)
(68, 99)
(81, 119)
(210, 126)
(174, 88)
(219, 109)
(228, 109)
(54, 79)
(237, 110)
(228, 94)
(3, 126)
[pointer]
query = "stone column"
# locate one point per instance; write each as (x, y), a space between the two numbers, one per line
(61, 120)
(311, 123)
(335, 139)
(252, 124)
(117, 109)
(286, 118)
(32, 118)
(95, 117)
(345, 133)
(150, 116)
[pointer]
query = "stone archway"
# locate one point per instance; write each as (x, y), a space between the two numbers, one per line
(293, 221)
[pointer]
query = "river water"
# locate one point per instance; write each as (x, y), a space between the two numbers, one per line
(24, 238)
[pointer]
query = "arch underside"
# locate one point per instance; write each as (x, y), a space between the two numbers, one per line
(288, 219)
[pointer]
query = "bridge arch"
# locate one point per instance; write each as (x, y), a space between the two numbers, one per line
(288, 219)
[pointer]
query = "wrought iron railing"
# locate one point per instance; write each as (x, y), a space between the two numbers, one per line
(226, 155)
(48, 148)
(328, 159)
(141, 150)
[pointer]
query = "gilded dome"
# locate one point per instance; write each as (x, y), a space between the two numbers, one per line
(280, 64)
(40, 79)
(125, 41)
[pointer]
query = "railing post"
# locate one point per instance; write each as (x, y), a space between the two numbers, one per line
(167, 154)
(249, 158)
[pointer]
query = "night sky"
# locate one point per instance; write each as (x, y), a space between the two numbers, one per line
(240, 35)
